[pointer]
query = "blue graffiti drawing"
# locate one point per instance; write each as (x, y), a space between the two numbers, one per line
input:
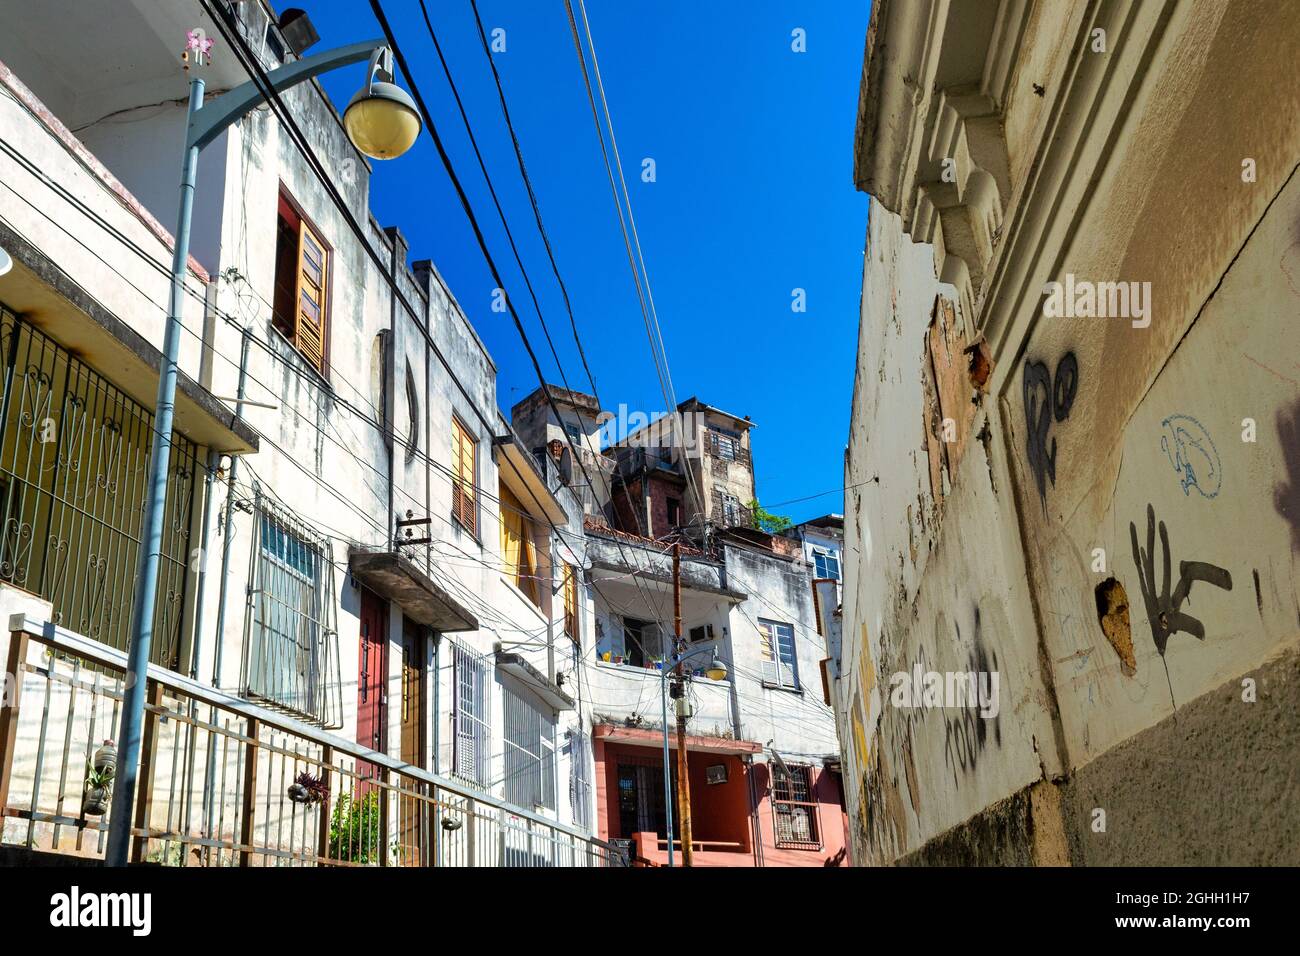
(1191, 451)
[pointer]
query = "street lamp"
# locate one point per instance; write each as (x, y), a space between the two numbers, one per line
(5, 262)
(716, 670)
(382, 120)
(381, 126)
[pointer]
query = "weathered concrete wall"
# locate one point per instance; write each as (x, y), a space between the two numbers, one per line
(1120, 502)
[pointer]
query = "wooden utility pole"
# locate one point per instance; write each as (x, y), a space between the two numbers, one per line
(683, 769)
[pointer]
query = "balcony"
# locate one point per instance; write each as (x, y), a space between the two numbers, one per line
(221, 780)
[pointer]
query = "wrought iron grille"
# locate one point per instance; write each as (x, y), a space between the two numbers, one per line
(580, 778)
(793, 808)
(291, 648)
(530, 752)
(74, 464)
(473, 718)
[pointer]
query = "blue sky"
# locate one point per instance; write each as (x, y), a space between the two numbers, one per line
(753, 198)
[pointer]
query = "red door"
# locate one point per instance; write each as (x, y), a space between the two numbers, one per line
(372, 678)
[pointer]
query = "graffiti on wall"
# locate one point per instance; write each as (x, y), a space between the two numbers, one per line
(1048, 397)
(1191, 451)
(1163, 607)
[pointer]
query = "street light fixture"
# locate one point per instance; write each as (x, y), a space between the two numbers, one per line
(379, 127)
(382, 120)
(5, 262)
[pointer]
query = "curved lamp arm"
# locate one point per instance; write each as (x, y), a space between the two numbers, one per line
(211, 120)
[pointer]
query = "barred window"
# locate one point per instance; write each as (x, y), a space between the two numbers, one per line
(530, 752)
(472, 718)
(580, 778)
(291, 659)
(794, 810)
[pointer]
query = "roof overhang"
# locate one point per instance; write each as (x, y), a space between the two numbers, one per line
(519, 473)
(44, 295)
(420, 597)
(517, 666)
(644, 737)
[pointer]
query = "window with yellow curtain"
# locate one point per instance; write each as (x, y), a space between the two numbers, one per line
(518, 552)
(571, 603)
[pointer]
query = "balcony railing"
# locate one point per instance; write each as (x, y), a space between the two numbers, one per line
(217, 779)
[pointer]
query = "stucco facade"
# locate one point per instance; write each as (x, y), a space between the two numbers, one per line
(1098, 503)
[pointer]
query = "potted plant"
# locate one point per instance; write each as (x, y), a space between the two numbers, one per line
(99, 788)
(308, 789)
(105, 758)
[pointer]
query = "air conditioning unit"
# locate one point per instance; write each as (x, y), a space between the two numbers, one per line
(702, 633)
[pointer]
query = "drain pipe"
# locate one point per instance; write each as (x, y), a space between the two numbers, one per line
(222, 586)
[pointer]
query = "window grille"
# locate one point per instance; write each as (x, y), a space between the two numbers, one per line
(530, 752)
(472, 717)
(291, 657)
(74, 464)
(580, 778)
(793, 808)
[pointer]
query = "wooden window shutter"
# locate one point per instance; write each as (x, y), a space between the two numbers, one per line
(465, 479)
(313, 278)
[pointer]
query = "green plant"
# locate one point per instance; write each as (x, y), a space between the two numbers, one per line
(354, 829)
(766, 521)
(98, 779)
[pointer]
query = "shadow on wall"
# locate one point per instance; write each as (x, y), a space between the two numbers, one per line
(1286, 494)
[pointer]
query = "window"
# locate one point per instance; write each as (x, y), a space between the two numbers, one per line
(674, 513)
(530, 751)
(574, 431)
(793, 809)
(518, 551)
(472, 717)
(731, 511)
(725, 446)
(302, 278)
(291, 661)
(827, 563)
(780, 667)
(464, 483)
(571, 619)
(580, 779)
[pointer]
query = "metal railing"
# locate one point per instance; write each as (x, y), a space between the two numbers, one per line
(224, 782)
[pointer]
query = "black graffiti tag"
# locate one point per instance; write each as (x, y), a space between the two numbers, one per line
(1163, 608)
(1046, 399)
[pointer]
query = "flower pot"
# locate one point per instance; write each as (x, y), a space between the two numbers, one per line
(94, 802)
(299, 794)
(105, 759)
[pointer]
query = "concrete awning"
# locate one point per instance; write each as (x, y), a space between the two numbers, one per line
(43, 295)
(517, 667)
(422, 599)
(643, 737)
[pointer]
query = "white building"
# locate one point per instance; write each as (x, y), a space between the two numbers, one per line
(366, 577)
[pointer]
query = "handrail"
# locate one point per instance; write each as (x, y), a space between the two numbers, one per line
(46, 632)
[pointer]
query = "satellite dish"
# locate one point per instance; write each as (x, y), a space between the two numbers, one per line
(5, 262)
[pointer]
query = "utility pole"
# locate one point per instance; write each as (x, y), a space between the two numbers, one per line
(683, 775)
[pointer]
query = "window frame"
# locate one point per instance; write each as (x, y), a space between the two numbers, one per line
(773, 656)
(825, 554)
(464, 504)
(572, 607)
(528, 741)
(793, 805)
(305, 229)
(471, 722)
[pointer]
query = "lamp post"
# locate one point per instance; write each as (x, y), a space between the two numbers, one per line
(383, 123)
(716, 670)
